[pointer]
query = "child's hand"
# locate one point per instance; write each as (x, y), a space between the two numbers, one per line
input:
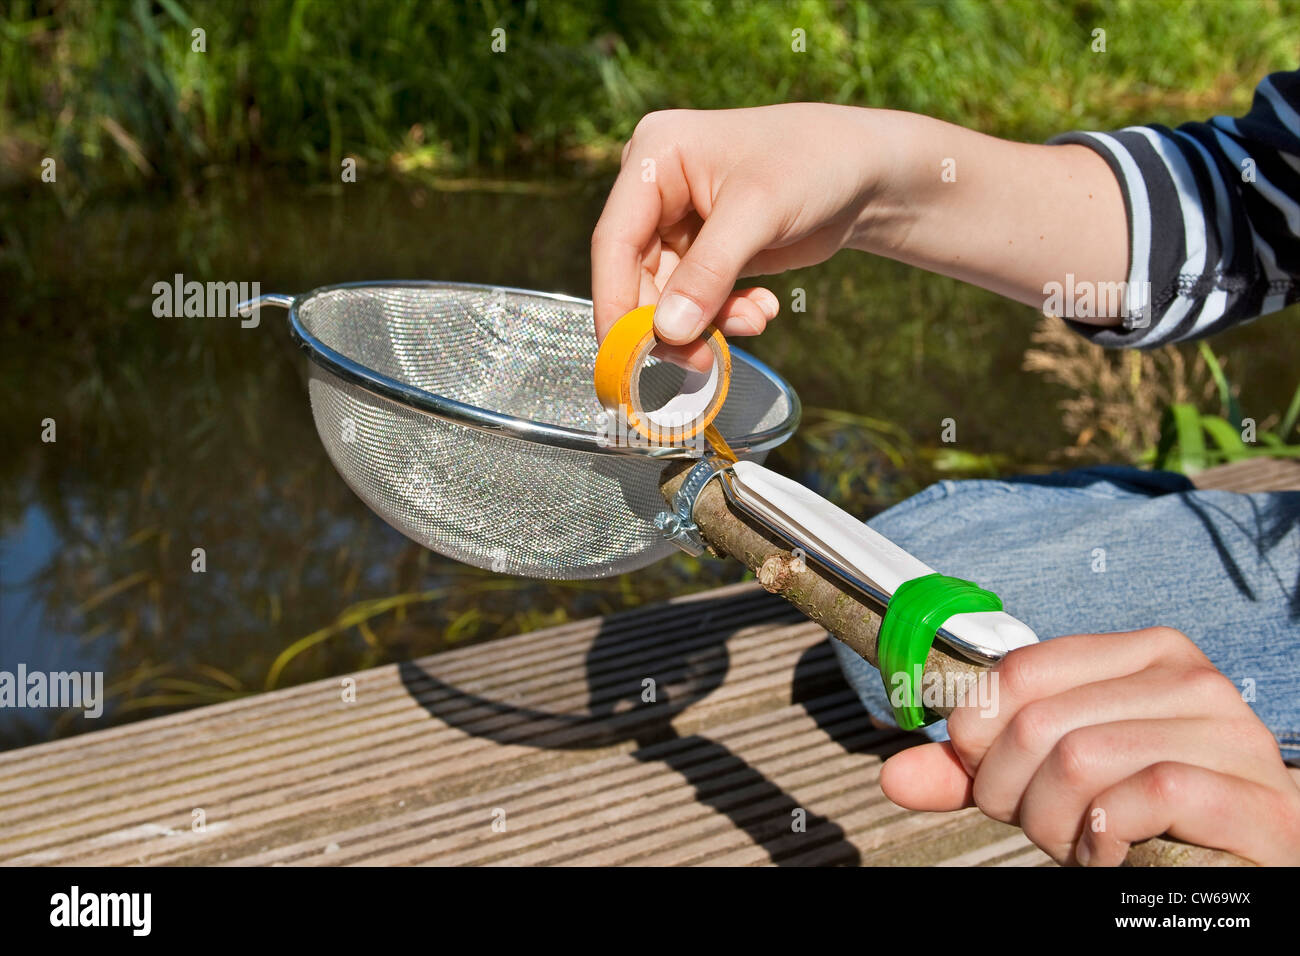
(706, 197)
(1102, 740)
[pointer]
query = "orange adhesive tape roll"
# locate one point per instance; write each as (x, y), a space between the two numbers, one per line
(619, 364)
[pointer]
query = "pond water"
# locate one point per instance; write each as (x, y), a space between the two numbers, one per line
(180, 433)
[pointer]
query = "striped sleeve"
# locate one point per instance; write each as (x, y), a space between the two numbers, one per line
(1213, 219)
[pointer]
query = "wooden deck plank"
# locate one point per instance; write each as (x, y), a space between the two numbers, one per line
(559, 803)
(1253, 474)
(752, 725)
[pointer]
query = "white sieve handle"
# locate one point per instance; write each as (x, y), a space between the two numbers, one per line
(834, 538)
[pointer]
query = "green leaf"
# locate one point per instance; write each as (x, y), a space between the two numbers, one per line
(1162, 458)
(176, 12)
(1225, 436)
(1227, 401)
(1182, 445)
(1281, 451)
(1289, 419)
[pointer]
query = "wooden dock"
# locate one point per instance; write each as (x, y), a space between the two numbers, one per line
(535, 749)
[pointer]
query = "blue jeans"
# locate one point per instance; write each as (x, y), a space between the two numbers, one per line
(1118, 549)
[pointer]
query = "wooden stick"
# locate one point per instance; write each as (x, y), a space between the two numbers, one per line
(824, 599)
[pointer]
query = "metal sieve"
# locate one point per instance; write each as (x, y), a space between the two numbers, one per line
(465, 417)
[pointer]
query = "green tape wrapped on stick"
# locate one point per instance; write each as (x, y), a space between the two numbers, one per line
(916, 612)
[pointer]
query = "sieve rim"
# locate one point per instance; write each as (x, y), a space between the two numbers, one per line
(498, 423)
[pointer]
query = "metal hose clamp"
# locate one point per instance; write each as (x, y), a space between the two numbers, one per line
(679, 526)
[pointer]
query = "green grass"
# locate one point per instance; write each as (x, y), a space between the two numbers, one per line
(113, 90)
(1184, 430)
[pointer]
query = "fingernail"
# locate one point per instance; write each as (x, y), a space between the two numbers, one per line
(1083, 852)
(767, 301)
(677, 318)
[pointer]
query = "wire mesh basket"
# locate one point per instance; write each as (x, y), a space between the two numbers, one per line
(465, 417)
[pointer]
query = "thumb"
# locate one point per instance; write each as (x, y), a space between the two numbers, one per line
(702, 281)
(928, 777)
